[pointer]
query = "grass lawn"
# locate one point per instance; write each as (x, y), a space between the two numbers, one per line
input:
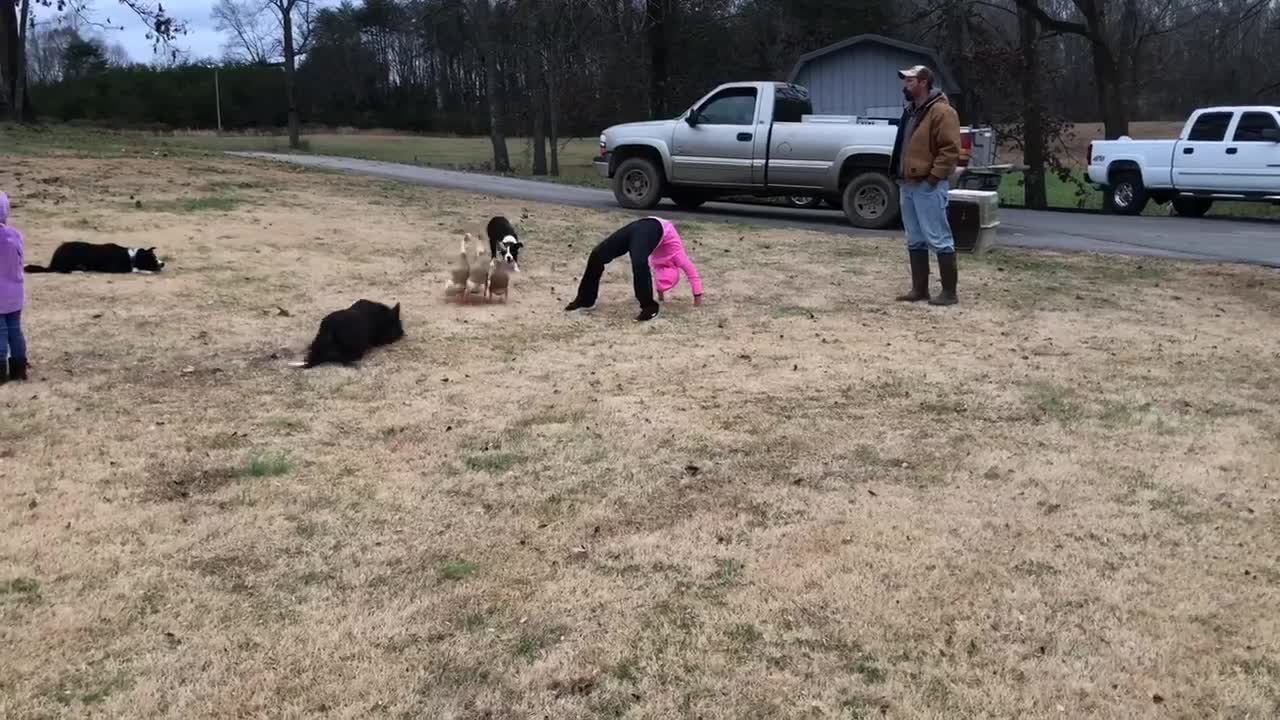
(802, 499)
(1064, 194)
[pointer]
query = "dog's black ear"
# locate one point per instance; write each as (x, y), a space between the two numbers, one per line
(396, 310)
(152, 248)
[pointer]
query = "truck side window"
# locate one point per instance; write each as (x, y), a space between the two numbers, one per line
(790, 104)
(1252, 124)
(732, 107)
(1211, 127)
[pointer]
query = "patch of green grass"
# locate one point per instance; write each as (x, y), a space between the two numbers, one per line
(458, 569)
(475, 620)
(530, 644)
(789, 311)
(204, 203)
(1053, 401)
(1065, 194)
(860, 707)
(743, 637)
(726, 572)
(88, 687)
(286, 424)
(627, 670)
(491, 461)
(870, 670)
(23, 590)
(267, 464)
(1036, 568)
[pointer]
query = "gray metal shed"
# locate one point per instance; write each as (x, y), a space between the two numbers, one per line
(859, 76)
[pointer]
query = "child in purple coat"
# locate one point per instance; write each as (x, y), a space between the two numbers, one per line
(12, 345)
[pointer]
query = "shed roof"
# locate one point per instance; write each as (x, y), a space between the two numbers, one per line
(935, 62)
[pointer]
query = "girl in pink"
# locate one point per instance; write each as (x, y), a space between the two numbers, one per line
(652, 242)
(13, 347)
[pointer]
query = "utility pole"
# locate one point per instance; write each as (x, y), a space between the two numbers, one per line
(217, 98)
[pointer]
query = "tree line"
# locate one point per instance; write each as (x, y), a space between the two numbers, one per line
(555, 68)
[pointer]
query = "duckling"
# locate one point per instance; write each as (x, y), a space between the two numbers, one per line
(457, 285)
(478, 278)
(500, 277)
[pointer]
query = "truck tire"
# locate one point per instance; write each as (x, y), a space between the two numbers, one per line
(637, 184)
(688, 199)
(1191, 207)
(1126, 195)
(871, 201)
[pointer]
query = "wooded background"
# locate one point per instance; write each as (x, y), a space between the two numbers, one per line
(572, 67)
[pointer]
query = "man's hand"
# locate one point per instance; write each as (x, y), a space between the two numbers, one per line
(697, 299)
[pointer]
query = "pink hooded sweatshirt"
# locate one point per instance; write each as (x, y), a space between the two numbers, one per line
(10, 262)
(669, 258)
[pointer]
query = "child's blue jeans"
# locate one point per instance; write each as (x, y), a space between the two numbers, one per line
(12, 344)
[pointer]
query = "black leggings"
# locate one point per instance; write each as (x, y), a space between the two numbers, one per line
(639, 238)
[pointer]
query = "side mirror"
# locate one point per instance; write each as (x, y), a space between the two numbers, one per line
(692, 118)
(1272, 134)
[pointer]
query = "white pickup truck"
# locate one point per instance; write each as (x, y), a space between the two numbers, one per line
(1223, 153)
(763, 139)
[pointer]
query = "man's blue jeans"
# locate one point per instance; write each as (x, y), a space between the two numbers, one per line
(924, 217)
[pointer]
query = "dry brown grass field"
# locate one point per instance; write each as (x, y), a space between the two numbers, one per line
(1059, 499)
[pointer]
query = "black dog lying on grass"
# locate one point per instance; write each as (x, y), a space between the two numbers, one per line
(346, 335)
(102, 258)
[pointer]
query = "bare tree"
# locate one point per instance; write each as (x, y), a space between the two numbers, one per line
(1118, 32)
(486, 28)
(296, 21)
(248, 36)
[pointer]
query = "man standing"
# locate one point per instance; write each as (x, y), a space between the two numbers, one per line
(925, 153)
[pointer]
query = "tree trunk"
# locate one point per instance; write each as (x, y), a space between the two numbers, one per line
(656, 17)
(553, 114)
(9, 49)
(538, 97)
(290, 92)
(1035, 195)
(1111, 97)
(20, 110)
(493, 89)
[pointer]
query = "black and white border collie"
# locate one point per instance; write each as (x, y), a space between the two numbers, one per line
(100, 258)
(504, 244)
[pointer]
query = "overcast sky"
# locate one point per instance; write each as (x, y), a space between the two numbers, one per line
(201, 40)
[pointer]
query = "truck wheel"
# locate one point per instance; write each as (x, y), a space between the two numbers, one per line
(688, 199)
(1191, 207)
(1126, 195)
(871, 201)
(637, 184)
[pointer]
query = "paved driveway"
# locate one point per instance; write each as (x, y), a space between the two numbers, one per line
(1246, 241)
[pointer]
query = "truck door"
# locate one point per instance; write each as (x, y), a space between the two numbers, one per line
(717, 149)
(1254, 160)
(1200, 161)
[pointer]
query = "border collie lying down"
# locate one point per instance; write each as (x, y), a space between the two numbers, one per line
(346, 335)
(104, 258)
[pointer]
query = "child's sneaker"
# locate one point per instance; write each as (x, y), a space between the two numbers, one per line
(647, 314)
(17, 369)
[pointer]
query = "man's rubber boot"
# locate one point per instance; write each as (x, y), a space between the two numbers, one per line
(919, 277)
(947, 273)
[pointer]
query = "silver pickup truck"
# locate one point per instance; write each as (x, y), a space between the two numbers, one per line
(763, 139)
